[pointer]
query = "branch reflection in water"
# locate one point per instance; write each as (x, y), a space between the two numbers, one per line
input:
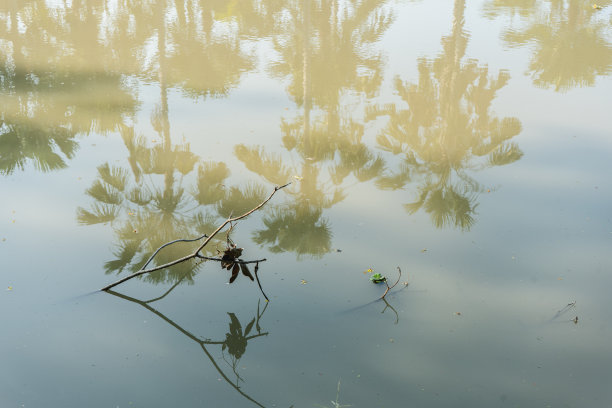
(235, 342)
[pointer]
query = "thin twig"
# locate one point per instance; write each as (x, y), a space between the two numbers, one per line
(392, 286)
(169, 243)
(196, 254)
(228, 232)
(230, 220)
(142, 272)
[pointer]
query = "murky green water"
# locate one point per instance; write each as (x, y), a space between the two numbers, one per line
(468, 143)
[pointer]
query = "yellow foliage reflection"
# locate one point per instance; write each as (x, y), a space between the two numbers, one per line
(326, 54)
(446, 131)
(74, 68)
(571, 46)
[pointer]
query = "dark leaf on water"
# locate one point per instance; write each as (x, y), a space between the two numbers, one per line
(235, 340)
(246, 272)
(234, 273)
(235, 327)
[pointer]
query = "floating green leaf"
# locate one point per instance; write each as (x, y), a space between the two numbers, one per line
(377, 278)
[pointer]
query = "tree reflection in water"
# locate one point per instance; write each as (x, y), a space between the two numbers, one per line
(446, 131)
(46, 87)
(22, 141)
(571, 45)
(148, 205)
(70, 69)
(326, 54)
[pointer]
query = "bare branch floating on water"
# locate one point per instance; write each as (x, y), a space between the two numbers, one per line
(233, 262)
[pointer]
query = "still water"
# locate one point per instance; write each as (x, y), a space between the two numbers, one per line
(468, 143)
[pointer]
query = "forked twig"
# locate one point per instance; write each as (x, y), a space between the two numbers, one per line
(230, 220)
(197, 254)
(392, 286)
(169, 243)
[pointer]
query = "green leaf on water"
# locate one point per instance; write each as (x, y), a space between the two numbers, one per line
(377, 278)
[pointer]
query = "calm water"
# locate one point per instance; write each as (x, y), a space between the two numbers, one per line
(468, 143)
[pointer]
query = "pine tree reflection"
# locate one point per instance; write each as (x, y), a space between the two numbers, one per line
(571, 45)
(235, 342)
(446, 131)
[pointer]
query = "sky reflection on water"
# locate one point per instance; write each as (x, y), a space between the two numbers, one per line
(468, 143)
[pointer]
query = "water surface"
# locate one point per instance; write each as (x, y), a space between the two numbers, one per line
(467, 143)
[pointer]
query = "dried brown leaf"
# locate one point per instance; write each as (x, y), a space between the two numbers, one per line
(246, 272)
